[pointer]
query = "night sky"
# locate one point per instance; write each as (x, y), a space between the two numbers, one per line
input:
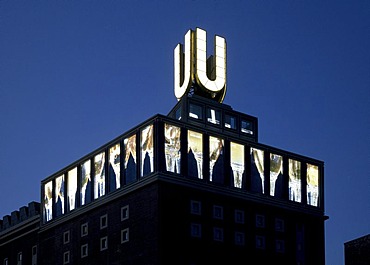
(76, 74)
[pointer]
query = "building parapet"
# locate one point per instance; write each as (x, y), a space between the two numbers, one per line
(19, 216)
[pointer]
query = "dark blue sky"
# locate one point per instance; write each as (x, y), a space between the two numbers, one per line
(76, 74)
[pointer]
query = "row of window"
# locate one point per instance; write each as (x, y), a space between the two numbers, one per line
(239, 237)
(20, 257)
(218, 213)
(120, 164)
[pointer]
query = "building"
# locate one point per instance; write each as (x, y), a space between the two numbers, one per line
(357, 251)
(192, 187)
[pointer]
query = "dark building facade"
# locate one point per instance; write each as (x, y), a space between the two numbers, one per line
(357, 251)
(192, 187)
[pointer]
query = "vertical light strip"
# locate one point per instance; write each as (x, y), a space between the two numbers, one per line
(183, 66)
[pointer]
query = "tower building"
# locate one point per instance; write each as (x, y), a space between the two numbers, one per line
(194, 186)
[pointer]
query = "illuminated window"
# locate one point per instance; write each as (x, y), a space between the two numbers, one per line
(124, 213)
(239, 216)
(195, 154)
(124, 235)
(66, 257)
(130, 159)
(59, 195)
(85, 190)
(103, 221)
(312, 185)
(178, 114)
(218, 212)
(6, 262)
(216, 163)
(196, 230)
(260, 242)
(48, 201)
(99, 176)
(19, 258)
(72, 189)
(260, 221)
(213, 116)
(239, 238)
(84, 229)
(218, 234)
(295, 190)
(257, 171)
(276, 174)
(246, 127)
(147, 151)
(172, 147)
(195, 207)
(115, 167)
(230, 122)
(195, 111)
(103, 243)
(237, 163)
(84, 250)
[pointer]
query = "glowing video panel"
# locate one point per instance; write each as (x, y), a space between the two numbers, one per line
(237, 163)
(195, 154)
(115, 167)
(48, 201)
(216, 163)
(99, 175)
(276, 175)
(295, 186)
(72, 189)
(172, 146)
(257, 171)
(312, 185)
(130, 158)
(59, 195)
(85, 188)
(147, 150)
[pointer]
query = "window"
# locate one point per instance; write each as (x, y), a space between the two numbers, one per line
(48, 201)
(66, 257)
(6, 261)
(312, 185)
(246, 127)
(218, 212)
(218, 234)
(237, 164)
(130, 159)
(115, 167)
(239, 216)
(34, 255)
(84, 229)
(124, 213)
(239, 239)
(257, 170)
(280, 246)
(72, 189)
(260, 242)
(19, 258)
(66, 237)
(147, 151)
(195, 111)
(195, 154)
(85, 185)
(230, 121)
(84, 250)
(276, 173)
(213, 116)
(103, 221)
(295, 181)
(195, 207)
(103, 243)
(196, 230)
(59, 195)
(216, 163)
(124, 235)
(260, 221)
(99, 175)
(279, 225)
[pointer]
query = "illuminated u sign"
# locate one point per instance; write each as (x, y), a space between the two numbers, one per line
(192, 66)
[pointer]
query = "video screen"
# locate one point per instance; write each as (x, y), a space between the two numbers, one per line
(99, 176)
(130, 159)
(147, 151)
(85, 182)
(237, 164)
(216, 160)
(72, 189)
(115, 167)
(59, 195)
(172, 146)
(195, 154)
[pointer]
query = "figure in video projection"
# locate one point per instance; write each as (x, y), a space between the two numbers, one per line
(172, 148)
(130, 159)
(48, 201)
(195, 154)
(237, 163)
(59, 195)
(312, 185)
(295, 180)
(257, 162)
(147, 150)
(216, 167)
(86, 182)
(114, 167)
(99, 178)
(276, 167)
